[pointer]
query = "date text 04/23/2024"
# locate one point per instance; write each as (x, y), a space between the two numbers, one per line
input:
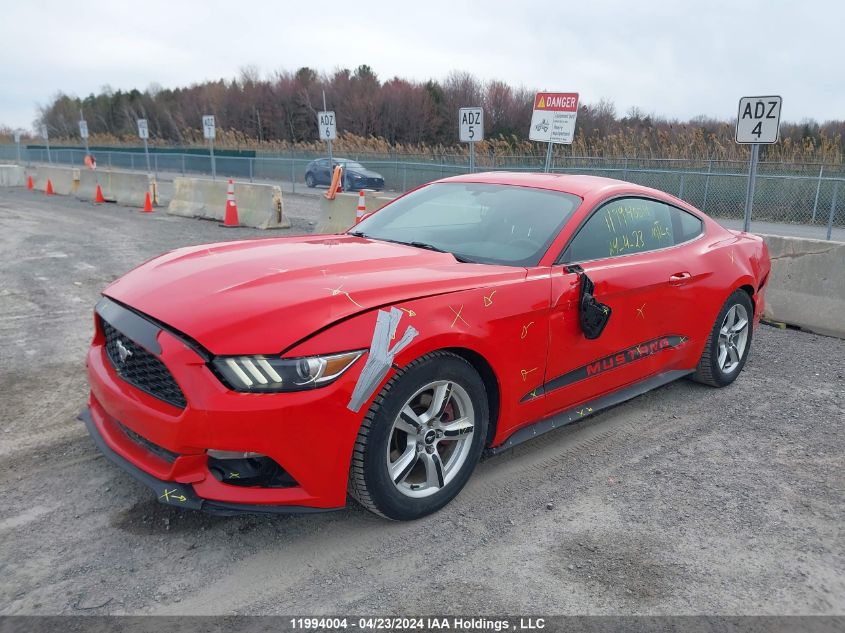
(452, 623)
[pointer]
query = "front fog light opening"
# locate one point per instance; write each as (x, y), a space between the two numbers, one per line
(238, 468)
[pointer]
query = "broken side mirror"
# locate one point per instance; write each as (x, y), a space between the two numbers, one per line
(593, 315)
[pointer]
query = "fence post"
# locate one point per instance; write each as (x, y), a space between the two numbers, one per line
(250, 168)
(292, 175)
(832, 209)
(155, 165)
(681, 187)
(404, 177)
(183, 164)
(132, 159)
(707, 184)
(818, 187)
(625, 169)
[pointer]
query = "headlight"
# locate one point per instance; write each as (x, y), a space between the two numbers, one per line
(267, 373)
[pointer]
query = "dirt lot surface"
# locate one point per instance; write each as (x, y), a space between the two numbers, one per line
(686, 500)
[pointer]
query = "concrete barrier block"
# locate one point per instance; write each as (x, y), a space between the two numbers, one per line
(259, 206)
(12, 176)
(338, 215)
(65, 180)
(127, 188)
(807, 284)
(87, 184)
(123, 187)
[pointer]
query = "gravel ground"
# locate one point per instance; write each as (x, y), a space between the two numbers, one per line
(687, 500)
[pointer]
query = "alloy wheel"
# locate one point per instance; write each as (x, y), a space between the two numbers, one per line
(430, 438)
(733, 337)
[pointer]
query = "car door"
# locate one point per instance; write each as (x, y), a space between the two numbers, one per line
(621, 248)
(324, 176)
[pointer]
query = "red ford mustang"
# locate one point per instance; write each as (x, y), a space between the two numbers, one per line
(471, 314)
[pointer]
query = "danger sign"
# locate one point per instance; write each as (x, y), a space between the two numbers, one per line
(558, 102)
(553, 119)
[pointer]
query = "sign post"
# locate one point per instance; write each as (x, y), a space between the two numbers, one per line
(471, 130)
(209, 132)
(757, 123)
(46, 138)
(144, 133)
(83, 132)
(18, 143)
(327, 127)
(553, 120)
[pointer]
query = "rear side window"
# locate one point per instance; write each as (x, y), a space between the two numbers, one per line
(687, 226)
(632, 225)
(622, 227)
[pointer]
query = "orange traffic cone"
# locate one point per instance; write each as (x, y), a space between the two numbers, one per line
(148, 205)
(99, 199)
(361, 211)
(29, 183)
(49, 189)
(231, 218)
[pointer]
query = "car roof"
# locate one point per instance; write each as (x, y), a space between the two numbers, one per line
(579, 185)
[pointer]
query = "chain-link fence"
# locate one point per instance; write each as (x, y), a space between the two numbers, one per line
(796, 194)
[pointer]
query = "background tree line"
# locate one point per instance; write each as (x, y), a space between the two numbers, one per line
(279, 112)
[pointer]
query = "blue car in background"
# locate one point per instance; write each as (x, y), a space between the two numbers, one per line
(355, 175)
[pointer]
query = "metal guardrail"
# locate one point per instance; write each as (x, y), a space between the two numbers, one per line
(785, 193)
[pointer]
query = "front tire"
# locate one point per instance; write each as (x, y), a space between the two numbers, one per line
(421, 438)
(310, 182)
(728, 344)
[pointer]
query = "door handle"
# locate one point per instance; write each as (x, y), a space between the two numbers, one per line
(679, 278)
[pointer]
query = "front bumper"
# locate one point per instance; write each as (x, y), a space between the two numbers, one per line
(355, 184)
(308, 434)
(183, 495)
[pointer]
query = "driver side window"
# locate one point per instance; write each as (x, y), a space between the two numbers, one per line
(622, 227)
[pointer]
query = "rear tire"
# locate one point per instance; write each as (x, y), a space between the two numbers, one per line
(728, 344)
(310, 182)
(410, 465)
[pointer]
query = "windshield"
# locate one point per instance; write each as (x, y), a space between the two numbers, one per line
(350, 164)
(485, 223)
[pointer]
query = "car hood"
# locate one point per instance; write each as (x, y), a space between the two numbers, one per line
(263, 296)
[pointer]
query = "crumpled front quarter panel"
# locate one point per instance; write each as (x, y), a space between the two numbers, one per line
(506, 324)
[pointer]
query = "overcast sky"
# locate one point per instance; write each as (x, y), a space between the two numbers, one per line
(678, 58)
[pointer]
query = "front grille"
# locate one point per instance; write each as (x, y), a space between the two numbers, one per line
(155, 449)
(140, 368)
